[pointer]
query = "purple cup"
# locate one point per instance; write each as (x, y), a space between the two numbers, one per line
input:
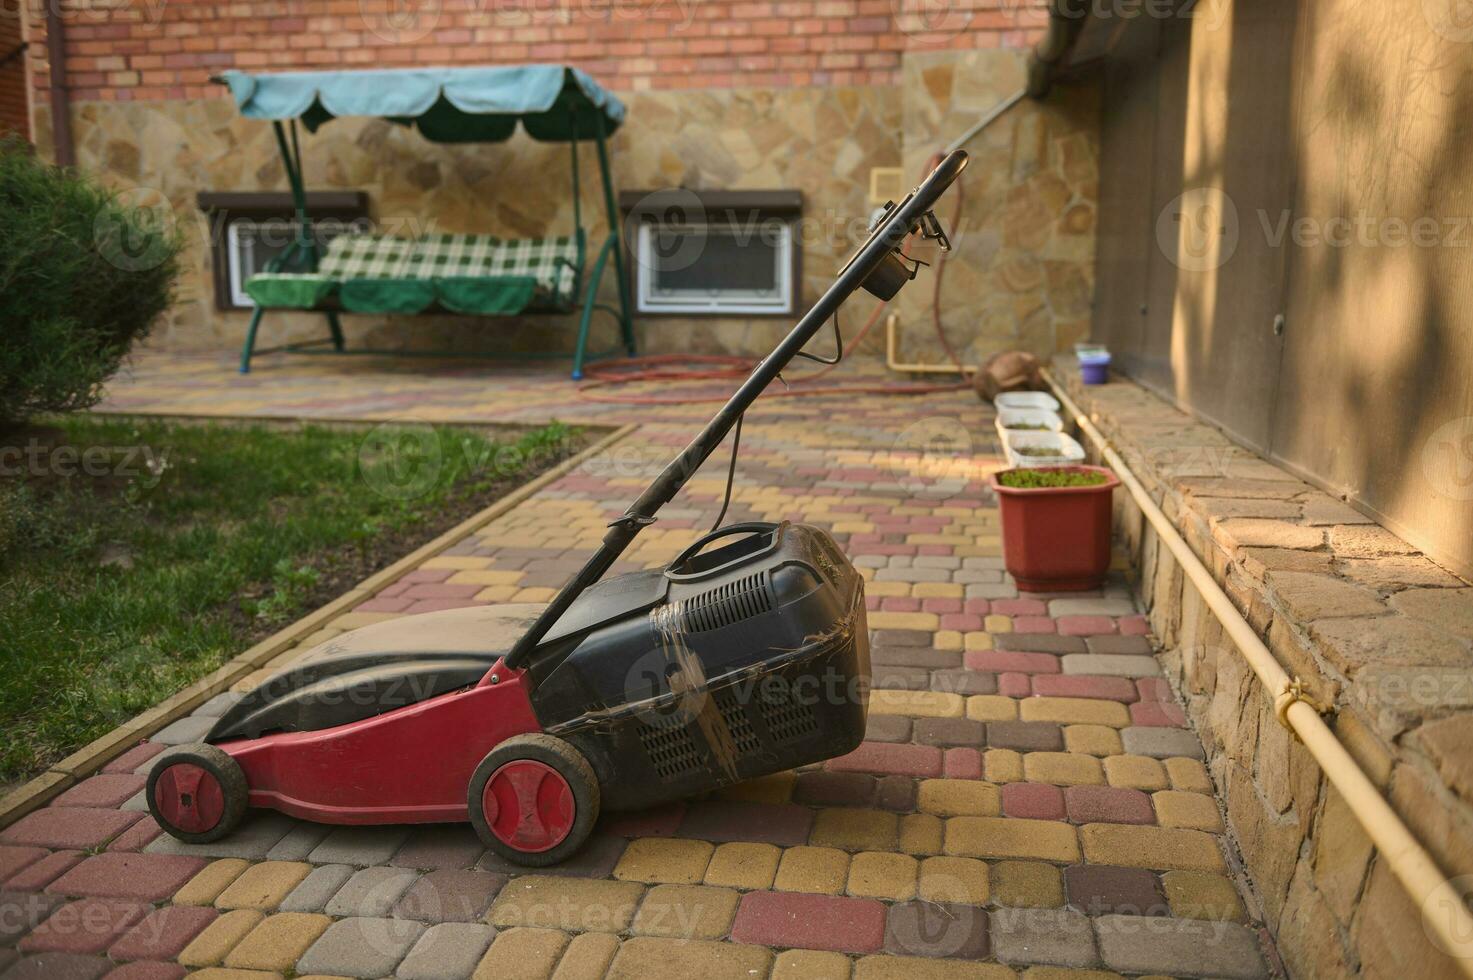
(1094, 369)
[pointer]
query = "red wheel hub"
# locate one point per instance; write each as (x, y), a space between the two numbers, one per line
(189, 797)
(528, 805)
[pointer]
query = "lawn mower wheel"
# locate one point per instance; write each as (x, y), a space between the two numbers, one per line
(534, 799)
(197, 793)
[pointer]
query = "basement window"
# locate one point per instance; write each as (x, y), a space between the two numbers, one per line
(714, 253)
(248, 229)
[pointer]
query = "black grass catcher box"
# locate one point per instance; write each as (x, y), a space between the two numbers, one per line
(760, 663)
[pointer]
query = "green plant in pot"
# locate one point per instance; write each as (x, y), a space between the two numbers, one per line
(1056, 525)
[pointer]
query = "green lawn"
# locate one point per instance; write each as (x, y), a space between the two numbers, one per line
(137, 556)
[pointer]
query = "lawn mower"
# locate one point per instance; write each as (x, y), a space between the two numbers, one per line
(747, 655)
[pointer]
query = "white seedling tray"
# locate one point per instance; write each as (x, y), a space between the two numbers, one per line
(1012, 418)
(1016, 445)
(1027, 399)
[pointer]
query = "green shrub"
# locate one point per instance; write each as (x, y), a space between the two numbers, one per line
(1032, 479)
(82, 276)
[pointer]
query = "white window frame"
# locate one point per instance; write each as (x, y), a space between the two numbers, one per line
(235, 246)
(727, 302)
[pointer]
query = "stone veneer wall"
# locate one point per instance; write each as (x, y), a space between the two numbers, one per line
(1373, 628)
(1021, 276)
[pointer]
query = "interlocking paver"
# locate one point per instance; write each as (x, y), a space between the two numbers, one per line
(821, 870)
(88, 925)
(876, 874)
(665, 860)
(686, 912)
(1194, 811)
(850, 925)
(854, 829)
(810, 964)
(20, 912)
(217, 939)
(163, 933)
(278, 941)
(1097, 889)
(1200, 895)
(530, 953)
(1058, 937)
(363, 846)
(1005, 837)
(1152, 944)
(1161, 743)
(146, 877)
(1026, 885)
(263, 886)
(743, 865)
(449, 896)
(38, 874)
(448, 951)
(587, 957)
(256, 835)
(104, 790)
(646, 956)
(937, 929)
(371, 892)
(1161, 848)
(315, 890)
(361, 947)
(958, 797)
(569, 904)
(68, 826)
(58, 966)
(1108, 804)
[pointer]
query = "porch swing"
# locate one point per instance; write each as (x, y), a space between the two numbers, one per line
(470, 274)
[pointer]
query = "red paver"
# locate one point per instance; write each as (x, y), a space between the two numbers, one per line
(1033, 801)
(147, 971)
(13, 859)
(134, 757)
(1033, 624)
(37, 876)
(148, 877)
(660, 821)
(885, 757)
(1158, 714)
(1015, 685)
(846, 925)
(90, 925)
(138, 836)
(1019, 607)
(69, 826)
(1108, 804)
(1012, 660)
(1134, 626)
(105, 790)
(440, 590)
(1154, 689)
(1085, 625)
(387, 605)
(768, 823)
(163, 934)
(962, 764)
(1083, 686)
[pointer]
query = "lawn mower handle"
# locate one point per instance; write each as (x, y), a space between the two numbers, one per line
(899, 222)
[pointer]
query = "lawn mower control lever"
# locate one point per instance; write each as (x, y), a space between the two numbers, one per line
(875, 267)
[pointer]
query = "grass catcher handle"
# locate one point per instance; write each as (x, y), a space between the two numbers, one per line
(890, 232)
(773, 532)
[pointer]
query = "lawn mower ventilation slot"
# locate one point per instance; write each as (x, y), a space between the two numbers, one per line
(727, 604)
(671, 750)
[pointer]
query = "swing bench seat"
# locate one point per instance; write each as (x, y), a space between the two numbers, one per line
(480, 275)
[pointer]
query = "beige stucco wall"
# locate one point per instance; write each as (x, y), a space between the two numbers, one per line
(1021, 276)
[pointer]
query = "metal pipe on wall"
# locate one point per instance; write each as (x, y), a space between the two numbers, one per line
(1404, 855)
(61, 105)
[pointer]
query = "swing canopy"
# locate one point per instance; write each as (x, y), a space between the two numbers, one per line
(554, 103)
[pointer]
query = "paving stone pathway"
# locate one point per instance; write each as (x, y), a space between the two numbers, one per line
(1028, 800)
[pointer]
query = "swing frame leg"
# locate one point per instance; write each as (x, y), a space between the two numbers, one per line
(250, 341)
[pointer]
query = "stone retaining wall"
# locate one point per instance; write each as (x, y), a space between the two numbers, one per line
(1374, 629)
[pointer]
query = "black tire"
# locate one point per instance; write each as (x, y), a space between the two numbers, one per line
(570, 764)
(227, 773)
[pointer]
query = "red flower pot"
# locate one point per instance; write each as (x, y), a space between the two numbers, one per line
(1057, 539)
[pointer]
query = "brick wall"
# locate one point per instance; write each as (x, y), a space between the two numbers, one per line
(14, 114)
(168, 49)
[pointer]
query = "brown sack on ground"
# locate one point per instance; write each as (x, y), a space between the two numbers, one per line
(1009, 370)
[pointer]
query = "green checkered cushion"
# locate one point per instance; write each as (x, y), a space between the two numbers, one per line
(367, 257)
(453, 256)
(553, 262)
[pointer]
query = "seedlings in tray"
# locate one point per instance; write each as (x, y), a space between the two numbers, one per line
(1033, 479)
